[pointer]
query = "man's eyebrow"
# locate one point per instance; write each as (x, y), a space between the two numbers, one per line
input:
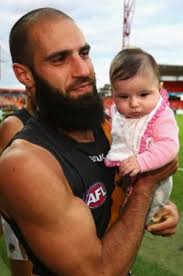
(66, 52)
(85, 47)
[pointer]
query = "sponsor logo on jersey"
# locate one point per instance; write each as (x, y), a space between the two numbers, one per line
(97, 158)
(96, 195)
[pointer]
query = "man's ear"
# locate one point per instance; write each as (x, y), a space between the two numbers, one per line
(23, 74)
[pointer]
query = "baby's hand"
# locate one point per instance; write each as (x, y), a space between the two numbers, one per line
(129, 166)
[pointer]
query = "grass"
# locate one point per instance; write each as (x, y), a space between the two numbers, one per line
(4, 265)
(157, 256)
(160, 256)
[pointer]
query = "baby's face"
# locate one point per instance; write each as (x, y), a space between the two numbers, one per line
(137, 96)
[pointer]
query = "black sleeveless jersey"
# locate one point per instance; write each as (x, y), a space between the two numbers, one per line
(22, 114)
(84, 168)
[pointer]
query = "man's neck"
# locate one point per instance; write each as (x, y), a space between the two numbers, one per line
(82, 136)
(30, 108)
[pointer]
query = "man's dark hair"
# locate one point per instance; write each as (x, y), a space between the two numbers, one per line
(128, 62)
(20, 39)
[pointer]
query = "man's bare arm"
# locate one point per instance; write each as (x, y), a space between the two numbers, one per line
(8, 128)
(59, 226)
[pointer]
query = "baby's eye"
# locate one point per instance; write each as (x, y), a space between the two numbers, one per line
(144, 95)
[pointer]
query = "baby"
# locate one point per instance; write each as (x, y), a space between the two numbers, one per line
(144, 130)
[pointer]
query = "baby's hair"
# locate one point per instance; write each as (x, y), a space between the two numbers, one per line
(128, 62)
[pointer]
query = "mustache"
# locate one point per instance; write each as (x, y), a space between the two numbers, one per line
(81, 81)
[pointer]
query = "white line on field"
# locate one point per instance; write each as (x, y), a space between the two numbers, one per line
(180, 169)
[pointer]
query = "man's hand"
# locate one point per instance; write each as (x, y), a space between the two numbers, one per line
(129, 166)
(165, 221)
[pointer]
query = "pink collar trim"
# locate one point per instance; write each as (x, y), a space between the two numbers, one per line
(147, 133)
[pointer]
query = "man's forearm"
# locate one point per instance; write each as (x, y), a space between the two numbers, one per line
(121, 242)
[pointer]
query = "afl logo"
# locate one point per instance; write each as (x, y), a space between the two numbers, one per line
(96, 195)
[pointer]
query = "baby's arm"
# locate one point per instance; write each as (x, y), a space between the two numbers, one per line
(165, 146)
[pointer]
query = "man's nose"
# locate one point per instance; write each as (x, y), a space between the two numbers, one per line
(80, 67)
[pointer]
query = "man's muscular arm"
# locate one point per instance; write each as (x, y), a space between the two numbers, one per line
(8, 128)
(58, 226)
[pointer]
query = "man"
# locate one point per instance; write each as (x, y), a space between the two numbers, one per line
(19, 263)
(61, 206)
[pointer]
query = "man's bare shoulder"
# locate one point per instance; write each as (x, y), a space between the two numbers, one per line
(23, 155)
(29, 175)
(24, 162)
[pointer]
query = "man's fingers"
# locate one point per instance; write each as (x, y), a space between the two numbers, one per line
(164, 229)
(165, 221)
(166, 232)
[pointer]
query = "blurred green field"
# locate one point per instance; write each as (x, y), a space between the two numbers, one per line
(157, 256)
(4, 265)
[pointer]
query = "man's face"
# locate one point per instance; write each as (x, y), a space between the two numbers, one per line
(61, 56)
(64, 76)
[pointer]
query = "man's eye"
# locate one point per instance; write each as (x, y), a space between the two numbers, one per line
(84, 53)
(59, 58)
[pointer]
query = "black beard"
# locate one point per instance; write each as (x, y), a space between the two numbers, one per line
(70, 114)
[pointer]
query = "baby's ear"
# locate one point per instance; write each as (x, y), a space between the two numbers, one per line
(161, 85)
